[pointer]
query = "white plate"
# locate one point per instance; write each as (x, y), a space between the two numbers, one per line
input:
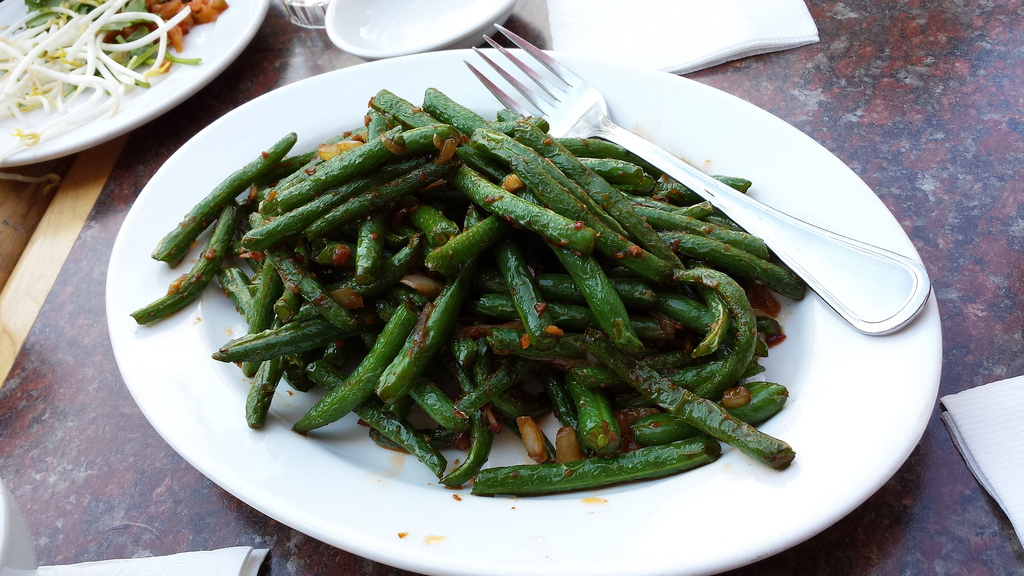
(375, 29)
(218, 44)
(858, 405)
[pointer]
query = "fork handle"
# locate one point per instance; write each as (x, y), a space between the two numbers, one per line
(875, 290)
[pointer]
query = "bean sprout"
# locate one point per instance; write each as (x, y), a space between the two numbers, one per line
(59, 62)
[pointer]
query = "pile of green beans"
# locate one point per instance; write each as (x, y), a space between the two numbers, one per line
(472, 275)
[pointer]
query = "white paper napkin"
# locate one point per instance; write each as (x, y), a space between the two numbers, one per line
(987, 426)
(678, 36)
(237, 561)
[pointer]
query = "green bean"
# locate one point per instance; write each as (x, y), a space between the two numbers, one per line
(293, 338)
(267, 206)
(597, 148)
(595, 472)
(391, 273)
(439, 406)
(436, 227)
(508, 374)
(509, 341)
(360, 206)
(175, 245)
(299, 279)
(634, 293)
(402, 433)
(482, 164)
(336, 254)
(566, 198)
(614, 171)
(285, 168)
(736, 261)
(370, 247)
(699, 412)
(447, 110)
(471, 242)
(562, 403)
(605, 303)
(684, 310)
(609, 242)
(743, 326)
(292, 222)
(719, 323)
(189, 286)
(482, 440)
(268, 289)
(287, 307)
(436, 322)
(532, 310)
(566, 316)
(766, 400)
(602, 193)
(377, 123)
(557, 229)
(347, 393)
(332, 173)
(261, 391)
(665, 219)
(402, 110)
(236, 286)
(481, 437)
(516, 406)
(598, 427)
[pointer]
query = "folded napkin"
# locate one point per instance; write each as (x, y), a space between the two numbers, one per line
(987, 426)
(237, 561)
(678, 36)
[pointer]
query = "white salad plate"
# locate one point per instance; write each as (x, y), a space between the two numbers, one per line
(217, 44)
(376, 29)
(858, 404)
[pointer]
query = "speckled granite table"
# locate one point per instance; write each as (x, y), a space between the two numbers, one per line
(924, 100)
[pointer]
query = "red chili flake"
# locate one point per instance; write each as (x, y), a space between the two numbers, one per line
(578, 225)
(311, 170)
(210, 254)
(635, 250)
(272, 194)
(265, 155)
(320, 300)
(775, 340)
(491, 199)
(540, 307)
(341, 254)
(547, 141)
(457, 497)
(422, 177)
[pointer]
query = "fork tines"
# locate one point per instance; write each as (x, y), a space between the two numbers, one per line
(545, 102)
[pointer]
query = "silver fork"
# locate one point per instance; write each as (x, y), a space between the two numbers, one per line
(875, 290)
